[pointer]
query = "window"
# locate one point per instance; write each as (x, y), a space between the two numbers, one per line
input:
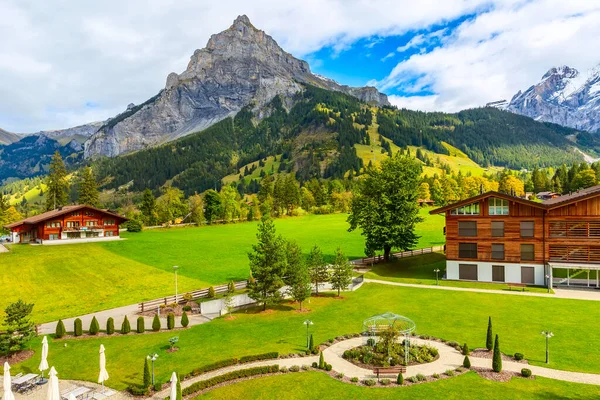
(54, 224)
(109, 233)
(498, 206)
(467, 228)
(527, 228)
(470, 209)
(109, 222)
(497, 251)
(527, 252)
(75, 214)
(528, 275)
(89, 213)
(91, 223)
(92, 234)
(72, 224)
(497, 273)
(53, 236)
(73, 235)
(467, 272)
(467, 250)
(497, 228)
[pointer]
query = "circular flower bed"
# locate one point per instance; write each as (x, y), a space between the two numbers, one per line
(378, 355)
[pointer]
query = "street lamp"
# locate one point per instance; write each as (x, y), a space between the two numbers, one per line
(308, 323)
(437, 271)
(548, 335)
(152, 358)
(548, 282)
(175, 267)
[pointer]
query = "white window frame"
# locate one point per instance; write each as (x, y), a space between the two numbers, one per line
(497, 206)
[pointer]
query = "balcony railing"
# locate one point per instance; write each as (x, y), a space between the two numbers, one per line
(583, 254)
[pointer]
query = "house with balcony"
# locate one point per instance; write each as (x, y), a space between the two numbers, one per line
(495, 237)
(69, 224)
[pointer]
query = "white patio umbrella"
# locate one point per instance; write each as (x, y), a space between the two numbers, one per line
(53, 389)
(72, 397)
(173, 386)
(103, 373)
(44, 363)
(8, 394)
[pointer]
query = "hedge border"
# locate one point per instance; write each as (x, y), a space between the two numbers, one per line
(230, 376)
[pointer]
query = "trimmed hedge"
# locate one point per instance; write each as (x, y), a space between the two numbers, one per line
(94, 327)
(156, 323)
(519, 356)
(110, 326)
(60, 329)
(125, 327)
(257, 357)
(211, 367)
(141, 325)
(467, 362)
(242, 373)
(170, 321)
(77, 328)
(185, 321)
(526, 372)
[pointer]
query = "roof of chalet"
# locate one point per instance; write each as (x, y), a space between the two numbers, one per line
(545, 205)
(59, 211)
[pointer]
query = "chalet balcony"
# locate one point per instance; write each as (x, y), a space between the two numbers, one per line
(575, 254)
(87, 228)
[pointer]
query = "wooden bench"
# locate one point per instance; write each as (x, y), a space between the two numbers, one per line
(521, 286)
(389, 370)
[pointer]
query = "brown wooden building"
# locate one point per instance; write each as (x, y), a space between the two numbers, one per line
(67, 224)
(495, 237)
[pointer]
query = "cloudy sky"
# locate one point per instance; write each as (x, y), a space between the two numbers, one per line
(64, 63)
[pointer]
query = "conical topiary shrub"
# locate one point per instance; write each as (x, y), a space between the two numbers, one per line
(400, 380)
(125, 327)
(465, 350)
(94, 327)
(185, 320)
(178, 386)
(497, 358)
(489, 343)
(110, 326)
(60, 329)
(321, 361)
(170, 321)
(311, 343)
(156, 323)
(147, 376)
(467, 362)
(141, 325)
(77, 328)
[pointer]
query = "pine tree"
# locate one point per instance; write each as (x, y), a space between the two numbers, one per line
(148, 208)
(467, 362)
(141, 325)
(57, 194)
(341, 274)
(94, 327)
(60, 329)
(126, 326)
(297, 277)
(267, 263)
(110, 326)
(88, 188)
(317, 268)
(147, 376)
(489, 343)
(156, 323)
(497, 358)
(19, 329)
(185, 320)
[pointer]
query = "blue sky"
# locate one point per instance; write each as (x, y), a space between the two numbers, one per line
(90, 60)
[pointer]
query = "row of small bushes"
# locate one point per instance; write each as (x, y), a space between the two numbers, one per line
(258, 357)
(242, 373)
(125, 326)
(231, 361)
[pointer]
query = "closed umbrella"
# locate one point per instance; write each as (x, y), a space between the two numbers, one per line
(44, 363)
(173, 386)
(103, 373)
(53, 390)
(8, 394)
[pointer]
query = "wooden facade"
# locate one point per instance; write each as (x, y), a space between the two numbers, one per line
(67, 223)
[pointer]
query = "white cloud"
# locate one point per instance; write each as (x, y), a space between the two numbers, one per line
(498, 53)
(414, 42)
(388, 55)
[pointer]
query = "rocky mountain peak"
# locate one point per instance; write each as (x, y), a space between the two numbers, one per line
(561, 72)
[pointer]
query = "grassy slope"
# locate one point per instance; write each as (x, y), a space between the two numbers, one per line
(270, 165)
(459, 316)
(32, 195)
(315, 385)
(96, 276)
(457, 160)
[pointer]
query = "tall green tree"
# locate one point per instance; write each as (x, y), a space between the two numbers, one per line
(212, 206)
(341, 272)
(317, 268)
(497, 357)
(489, 341)
(297, 277)
(147, 376)
(148, 208)
(170, 205)
(88, 188)
(57, 194)
(385, 207)
(267, 264)
(19, 328)
(196, 209)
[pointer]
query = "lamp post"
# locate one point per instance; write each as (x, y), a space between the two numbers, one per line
(437, 271)
(308, 323)
(548, 282)
(548, 335)
(152, 358)
(175, 267)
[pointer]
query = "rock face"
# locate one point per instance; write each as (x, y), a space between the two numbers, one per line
(8, 137)
(238, 67)
(563, 97)
(86, 130)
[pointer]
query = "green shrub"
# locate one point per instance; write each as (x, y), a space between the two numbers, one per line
(340, 375)
(369, 382)
(328, 367)
(526, 372)
(400, 379)
(141, 325)
(489, 343)
(60, 329)
(178, 388)
(465, 350)
(184, 320)
(211, 292)
(147, 376)
(321, 361)
(231, 287)
(315, 365)
(133, 225)
(125, 326)
(421, 377)
(467, 362)
(157, 386)
(354, 379)
(385, 382)
(211, 367)
(257, 357)
(452, 343)
(94, 327)
(449, 372)
(436, 376)
(413, 379)
(156, 323)
(242, 373)
(283, 369)
(371, 342)
(170, 321)
(311, 343)
(187, 308)
(519, 356)
(77, 328)
(497, 358)
(110, 326)
(138, 391)
(294, 368)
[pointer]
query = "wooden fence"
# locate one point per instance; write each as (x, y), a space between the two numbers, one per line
(402, 254)
(196, 294)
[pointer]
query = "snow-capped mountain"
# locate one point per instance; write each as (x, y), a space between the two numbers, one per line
(564, 96)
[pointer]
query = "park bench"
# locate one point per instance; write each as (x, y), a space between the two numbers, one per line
(521, 286)
(389, 370)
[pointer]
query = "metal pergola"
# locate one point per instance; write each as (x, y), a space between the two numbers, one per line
(373, 326)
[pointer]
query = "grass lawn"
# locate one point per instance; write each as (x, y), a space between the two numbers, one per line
(316, 385)
(459, 316)
(420, 270)
(69, 280)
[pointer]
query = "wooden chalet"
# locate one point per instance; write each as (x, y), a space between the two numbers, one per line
(69, 224)
(494, 237)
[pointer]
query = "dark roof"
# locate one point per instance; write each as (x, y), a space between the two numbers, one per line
(486, 195)
(59, 211)
(572, 197)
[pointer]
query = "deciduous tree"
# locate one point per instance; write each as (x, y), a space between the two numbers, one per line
(297, 277)
(317, 268)
(341, 272)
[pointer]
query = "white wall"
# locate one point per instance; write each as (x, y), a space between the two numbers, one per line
(83, 240)
(512, 271)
